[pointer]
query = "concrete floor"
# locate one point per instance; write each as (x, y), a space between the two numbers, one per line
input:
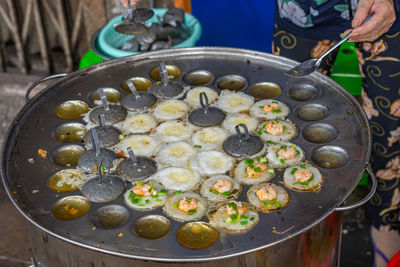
(16, 246)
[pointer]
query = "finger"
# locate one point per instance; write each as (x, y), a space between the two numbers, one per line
(346, 32)
(375, 23)
(371, 36)
(363, 9)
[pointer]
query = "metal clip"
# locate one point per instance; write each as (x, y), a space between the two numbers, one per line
(242, 136)
(95, 141)
(132, 156)
(133, 89)
(204, 101)
(164, 74)
(103, 99)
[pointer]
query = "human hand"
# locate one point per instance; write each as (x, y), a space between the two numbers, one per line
(383, 18)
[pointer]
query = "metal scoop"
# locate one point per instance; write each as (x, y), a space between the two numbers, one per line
(112, 114)
(103, 188)
(244, 144)
(131, 20)
(136, 168)
(137, 101)
(165, 89)
(108, 135)
(206, 115)
(309, 66)
(90, 158)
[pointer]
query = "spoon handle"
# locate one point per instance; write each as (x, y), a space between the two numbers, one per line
(103, 98)
(333, 48)
(164, 74)
(347, 37)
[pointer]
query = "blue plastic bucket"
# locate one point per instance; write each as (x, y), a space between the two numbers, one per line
(109, 41)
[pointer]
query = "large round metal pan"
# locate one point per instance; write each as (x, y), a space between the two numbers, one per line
(34, 126)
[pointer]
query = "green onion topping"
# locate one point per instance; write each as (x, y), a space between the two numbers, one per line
(227, 193)
(214, 191)
(306, 183)
(191, 212)
(248, 161)
(271, 203)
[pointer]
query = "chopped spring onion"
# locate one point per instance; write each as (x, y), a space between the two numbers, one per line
(214, 191)
(191, 212)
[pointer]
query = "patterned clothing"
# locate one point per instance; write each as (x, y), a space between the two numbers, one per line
(380, 67)
(320, 19)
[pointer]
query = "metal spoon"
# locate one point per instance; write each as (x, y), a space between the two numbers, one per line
(129, 25)
(309, 66)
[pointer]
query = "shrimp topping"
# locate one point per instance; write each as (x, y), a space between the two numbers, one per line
(274, 128)
(223, 185)
(142, 190)
(271, 107)
(256, 171)
(287, 153)
(302, 175)
(187, 204)
(236, 208)
(266, 193)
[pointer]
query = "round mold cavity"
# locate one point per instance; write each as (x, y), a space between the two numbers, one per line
(70, 208)
(330, 157)
(302, 92)
(67, 156)
(173, 73)
(319, 133)
(112, 95)
(140, 83)
(312, 112)
(110, 217)
(72, 109)
(198, 78)
(231, 82)
(59, 181)
(152, 227)
(196, 235)
(70, 132)
(265, 90)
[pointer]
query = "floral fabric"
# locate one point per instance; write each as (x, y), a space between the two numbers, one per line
(319, 19)
(379, 63)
